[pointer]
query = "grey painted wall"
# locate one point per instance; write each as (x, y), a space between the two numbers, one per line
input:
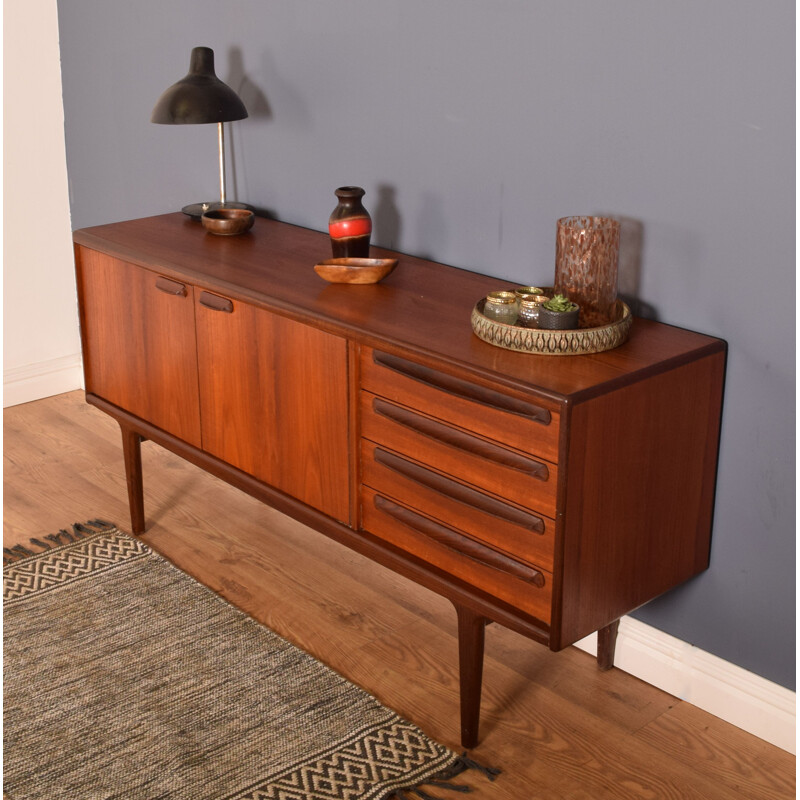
(473, 125)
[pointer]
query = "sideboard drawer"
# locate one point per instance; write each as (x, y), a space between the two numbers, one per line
(523, 424)
(508, 579)
(521, 479)
(517, 532)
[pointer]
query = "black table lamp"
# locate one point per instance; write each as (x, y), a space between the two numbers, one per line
(201, 97)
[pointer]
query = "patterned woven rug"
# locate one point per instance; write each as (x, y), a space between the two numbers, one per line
(125, 679)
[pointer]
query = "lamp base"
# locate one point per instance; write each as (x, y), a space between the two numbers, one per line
(196, 210)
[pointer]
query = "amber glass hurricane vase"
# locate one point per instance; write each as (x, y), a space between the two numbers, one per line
(587, 256)
(350, 225)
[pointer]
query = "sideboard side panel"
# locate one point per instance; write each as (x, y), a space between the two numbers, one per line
(639, 494)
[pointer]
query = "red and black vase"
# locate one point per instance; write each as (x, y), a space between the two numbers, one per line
(350, 225)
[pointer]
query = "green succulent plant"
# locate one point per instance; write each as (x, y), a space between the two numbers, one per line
(559, 302)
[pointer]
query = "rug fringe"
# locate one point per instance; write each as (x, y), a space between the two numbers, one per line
(80, 530)
(442, 780)
(490, 772)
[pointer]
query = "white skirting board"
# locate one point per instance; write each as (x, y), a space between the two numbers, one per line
(42, 379)
(742, 698)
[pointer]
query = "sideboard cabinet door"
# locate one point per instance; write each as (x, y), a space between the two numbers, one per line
(138, 342)
(274, 397)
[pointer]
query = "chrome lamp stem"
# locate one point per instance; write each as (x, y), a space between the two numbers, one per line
(221, 139)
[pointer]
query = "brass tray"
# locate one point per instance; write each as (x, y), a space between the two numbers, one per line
(573, 342)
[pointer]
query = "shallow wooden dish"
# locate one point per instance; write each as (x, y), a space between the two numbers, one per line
(355, 270)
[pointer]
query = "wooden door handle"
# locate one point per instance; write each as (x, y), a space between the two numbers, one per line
(462, 545)
(458, 491)
(461, 388)
(170, 287)
(463, 441)
(216, 303)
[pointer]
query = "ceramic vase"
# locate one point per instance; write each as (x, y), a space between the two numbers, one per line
(350, 225)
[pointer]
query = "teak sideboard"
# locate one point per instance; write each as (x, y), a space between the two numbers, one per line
(550, 494)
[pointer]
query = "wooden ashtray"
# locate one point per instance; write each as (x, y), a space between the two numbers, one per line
(228, 221)
(355, 270)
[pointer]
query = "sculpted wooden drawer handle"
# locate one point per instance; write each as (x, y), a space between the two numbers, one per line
(461, 388)
(171, 287)
(463, 441)
(457, 491)
(215, 302)
(459, 544)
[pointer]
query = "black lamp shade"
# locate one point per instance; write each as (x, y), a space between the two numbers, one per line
(200, 97)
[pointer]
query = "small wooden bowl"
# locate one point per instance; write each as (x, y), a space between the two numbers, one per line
(228, 221)
(355, 270)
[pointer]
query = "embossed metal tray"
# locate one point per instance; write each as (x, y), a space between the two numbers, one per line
(572, 342)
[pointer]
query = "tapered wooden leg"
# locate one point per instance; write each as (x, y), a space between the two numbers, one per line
(606, 645)
(471, 630)
(132, 451)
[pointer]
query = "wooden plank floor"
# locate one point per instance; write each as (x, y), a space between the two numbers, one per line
(556, 726)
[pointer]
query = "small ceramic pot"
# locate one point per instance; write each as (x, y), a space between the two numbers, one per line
(558, 320)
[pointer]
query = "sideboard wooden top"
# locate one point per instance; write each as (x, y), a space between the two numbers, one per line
(422, 305)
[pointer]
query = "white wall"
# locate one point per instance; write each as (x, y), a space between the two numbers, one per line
(41, 343)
